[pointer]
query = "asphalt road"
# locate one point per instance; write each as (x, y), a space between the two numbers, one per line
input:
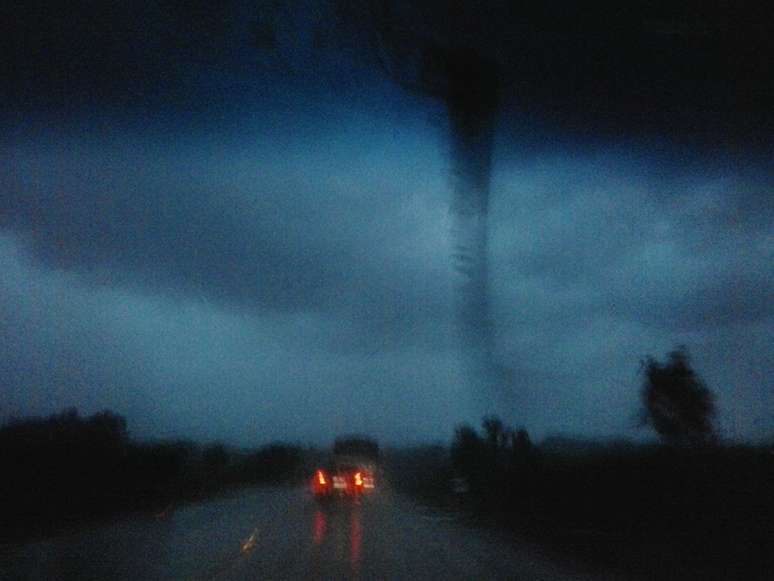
(282, 533)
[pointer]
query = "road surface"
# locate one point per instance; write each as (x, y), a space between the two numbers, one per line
(282, 533)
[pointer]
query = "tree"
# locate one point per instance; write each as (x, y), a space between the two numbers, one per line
(676, 402)
(108, 428)
(468, 454)
(522, 449)
(496, 433)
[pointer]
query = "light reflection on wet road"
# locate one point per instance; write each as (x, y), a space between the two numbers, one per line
(281, 534)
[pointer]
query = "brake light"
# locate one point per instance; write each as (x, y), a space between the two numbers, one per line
(321, 478)
(358, 479)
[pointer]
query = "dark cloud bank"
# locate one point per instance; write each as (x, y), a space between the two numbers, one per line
(219, 251)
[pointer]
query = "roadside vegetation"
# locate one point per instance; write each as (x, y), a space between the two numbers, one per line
(64, 469)
(688, 506)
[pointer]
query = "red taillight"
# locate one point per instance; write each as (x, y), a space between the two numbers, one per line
(358, 479)
(320, 478)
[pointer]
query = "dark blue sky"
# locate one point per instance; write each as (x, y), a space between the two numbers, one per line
(220, 244)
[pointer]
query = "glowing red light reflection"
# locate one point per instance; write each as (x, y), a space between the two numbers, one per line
(319, 527)
(356, 535)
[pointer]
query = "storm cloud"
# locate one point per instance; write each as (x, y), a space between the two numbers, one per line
(222, 254)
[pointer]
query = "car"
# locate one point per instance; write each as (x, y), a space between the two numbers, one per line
(342, 481)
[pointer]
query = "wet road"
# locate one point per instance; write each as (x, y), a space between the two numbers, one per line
(276, 533)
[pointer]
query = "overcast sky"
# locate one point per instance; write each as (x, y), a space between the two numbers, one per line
(218, 244)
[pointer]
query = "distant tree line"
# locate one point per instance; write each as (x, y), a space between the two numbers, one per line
(66, 467)
(498, 458)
